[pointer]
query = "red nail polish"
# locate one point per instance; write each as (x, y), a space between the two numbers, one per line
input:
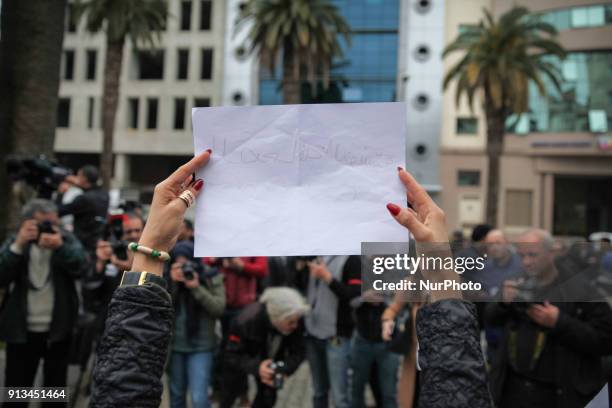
(393, 209)
(209, 151)
(198, 185)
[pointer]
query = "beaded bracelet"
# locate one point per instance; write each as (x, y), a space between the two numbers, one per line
(153, 253)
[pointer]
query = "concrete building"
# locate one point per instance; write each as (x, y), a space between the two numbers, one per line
(158, 88)
(556, 168)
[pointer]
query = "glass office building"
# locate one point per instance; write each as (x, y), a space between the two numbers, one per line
(368, 69)
(584, 103)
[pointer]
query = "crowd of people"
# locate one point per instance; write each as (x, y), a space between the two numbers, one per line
(263, 317)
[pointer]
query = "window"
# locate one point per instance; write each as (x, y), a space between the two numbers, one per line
(92, 57)
(152, 113)
(150, 64)
(207, 55)
(518, 207)
(185, 15)
(69, 65)
(469, 178)
(464, 28)
(90, 112)
(201, 102)
(467, 126)
(63, 113)
(182, 66)
(205, 13)
(70, 18)
(132, 122)
(179, 113)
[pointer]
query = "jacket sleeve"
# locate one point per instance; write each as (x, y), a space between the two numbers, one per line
(133, 348)
(213, 299)
(588, 335)
(71, 257)
(256, 266)
(9, 264)
(453, 372)
(350, 286)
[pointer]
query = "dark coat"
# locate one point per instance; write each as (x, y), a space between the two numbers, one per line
(133, 349)
(89, 210)
(453, 372)
(247, 342)
(66, 265)
(583, 334)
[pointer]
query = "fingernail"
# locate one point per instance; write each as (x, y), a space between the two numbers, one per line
(198, 185)
(400, 168)
(393, 209)
(209, 151)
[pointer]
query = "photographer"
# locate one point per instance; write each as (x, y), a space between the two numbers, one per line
(89, 209)
(198, 295)
(549, 354)
(116, 253)
(39, 266)
(267, 341)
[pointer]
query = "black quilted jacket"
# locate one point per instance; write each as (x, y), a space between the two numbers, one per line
(133, 349)
(453, 372)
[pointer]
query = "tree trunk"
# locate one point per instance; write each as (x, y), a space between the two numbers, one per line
(30, 54)
(495, 145)
(291, 77)
(110, 100)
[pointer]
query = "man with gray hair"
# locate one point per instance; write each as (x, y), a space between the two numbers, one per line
(38, 268)
(549, 354)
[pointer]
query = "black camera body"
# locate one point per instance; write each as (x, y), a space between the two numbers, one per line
(526, 294)
(279, 373)
(39, 172)
(190, 269)
(113, 232)
(44, 227)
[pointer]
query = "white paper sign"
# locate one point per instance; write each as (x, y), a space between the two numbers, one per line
(298, 179)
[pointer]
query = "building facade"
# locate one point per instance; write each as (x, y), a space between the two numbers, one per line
(556, 168)
(158, 88)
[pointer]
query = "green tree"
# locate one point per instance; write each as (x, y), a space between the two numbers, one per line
(500, 59)
(30, 54)
(142, 21)
(304, 33)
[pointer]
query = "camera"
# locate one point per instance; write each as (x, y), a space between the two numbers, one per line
(526, 294)
(45, 227)
(39, 172)
(279, 373)
(190, 269)
(113, 232)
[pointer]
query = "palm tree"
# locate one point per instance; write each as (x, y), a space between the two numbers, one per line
(140, 20)
(303, 32)
(501, 58)
(30, 53)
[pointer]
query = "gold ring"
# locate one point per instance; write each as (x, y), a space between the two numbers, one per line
(187, 197)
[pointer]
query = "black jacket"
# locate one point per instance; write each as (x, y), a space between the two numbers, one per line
(89, 210)
(247, 344)
(582, 335)
(453, 372)
(133, 349)
(66, 265)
